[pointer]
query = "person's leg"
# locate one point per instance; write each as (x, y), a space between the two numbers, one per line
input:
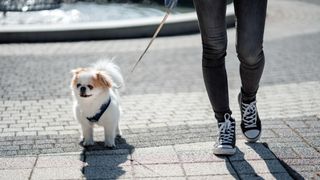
(250, 22)
(211, 16)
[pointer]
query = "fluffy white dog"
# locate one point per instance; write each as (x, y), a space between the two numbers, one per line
(96, 100)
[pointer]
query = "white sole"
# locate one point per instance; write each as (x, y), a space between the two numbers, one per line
(252, 140)
(224, 151)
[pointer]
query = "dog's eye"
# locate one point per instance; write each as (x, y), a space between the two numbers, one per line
(90, 86)
(78, 85)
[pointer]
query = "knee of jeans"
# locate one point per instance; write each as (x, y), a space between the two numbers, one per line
(250, 57)
(214, 52)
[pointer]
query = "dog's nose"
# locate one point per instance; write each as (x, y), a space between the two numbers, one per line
(83, 90)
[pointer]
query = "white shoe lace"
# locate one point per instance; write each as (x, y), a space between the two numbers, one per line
(249, 115)
(225, 131)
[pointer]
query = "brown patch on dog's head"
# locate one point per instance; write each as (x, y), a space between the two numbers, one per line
(86, 81)
(76, 73)
(102, 80)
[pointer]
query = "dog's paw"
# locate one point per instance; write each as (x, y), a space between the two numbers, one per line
(118, 136)
(109, 145)
(88, 142)
(118, 132)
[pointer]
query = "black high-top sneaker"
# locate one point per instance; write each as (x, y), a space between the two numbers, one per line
(226, 140)
(250, 121)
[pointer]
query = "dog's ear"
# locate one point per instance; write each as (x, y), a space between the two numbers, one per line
(102, 80)
(77, 71)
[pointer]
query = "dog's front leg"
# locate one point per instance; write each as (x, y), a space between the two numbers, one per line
(87, 134)
(109, 135)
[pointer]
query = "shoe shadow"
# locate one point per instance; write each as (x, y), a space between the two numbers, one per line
(101, 162)
(237, 166)
(270, 167)
(294, 174)
(242, 167)
(230, 167)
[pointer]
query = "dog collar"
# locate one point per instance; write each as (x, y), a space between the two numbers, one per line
(103, 108)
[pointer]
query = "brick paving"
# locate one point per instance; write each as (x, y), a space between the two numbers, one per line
(168, 124)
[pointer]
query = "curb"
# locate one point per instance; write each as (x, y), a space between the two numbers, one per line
(179, 24)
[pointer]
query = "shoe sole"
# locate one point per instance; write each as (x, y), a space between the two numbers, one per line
(224, 151)
(250, 140)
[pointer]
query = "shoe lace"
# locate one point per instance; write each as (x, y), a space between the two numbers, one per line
(226, 132)
(249, 114)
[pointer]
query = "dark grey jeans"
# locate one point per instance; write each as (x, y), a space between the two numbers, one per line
(250, 22)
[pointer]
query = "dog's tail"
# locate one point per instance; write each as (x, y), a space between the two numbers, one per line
(112, 70)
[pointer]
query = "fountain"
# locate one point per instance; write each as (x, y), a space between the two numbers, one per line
(73, 20)
(28, 5)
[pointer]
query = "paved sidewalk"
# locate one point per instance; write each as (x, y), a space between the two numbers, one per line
(168, 125)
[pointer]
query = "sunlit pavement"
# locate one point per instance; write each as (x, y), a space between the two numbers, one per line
(168, 125)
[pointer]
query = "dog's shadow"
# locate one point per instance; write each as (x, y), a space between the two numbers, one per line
(101, 162)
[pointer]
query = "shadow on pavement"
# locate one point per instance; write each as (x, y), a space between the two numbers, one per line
(105, 163)
(242, 167)
(231, 169)
(294, 174)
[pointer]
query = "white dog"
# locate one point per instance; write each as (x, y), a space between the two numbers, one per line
(96, 100)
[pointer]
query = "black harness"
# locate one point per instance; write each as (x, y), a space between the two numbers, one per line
(103, 108)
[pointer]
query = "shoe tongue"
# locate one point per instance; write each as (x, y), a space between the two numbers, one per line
(223, 120)
(220, 116)
(247, 97)
(248, 100)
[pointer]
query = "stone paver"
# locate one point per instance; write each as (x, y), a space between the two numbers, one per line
(167, 123)
(155, 155)
(59, 161)
(19, 174)
(56, 173)
(158, 170)
(258, 166)
(267, 176)
(108, 172)
(209, 168)
(17, 163)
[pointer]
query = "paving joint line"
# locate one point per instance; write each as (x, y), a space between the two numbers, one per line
(180, 162)
(33, 168)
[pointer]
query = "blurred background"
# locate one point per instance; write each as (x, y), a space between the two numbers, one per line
(70, 20)
(74, 11)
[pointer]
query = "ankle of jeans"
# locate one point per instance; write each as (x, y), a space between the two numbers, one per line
(220, 115)
(247, 97)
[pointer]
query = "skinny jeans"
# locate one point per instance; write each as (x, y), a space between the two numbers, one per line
(250, 22)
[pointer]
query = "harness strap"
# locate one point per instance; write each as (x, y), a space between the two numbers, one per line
(103, 108)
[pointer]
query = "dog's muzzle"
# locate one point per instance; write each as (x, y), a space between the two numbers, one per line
(85, 95)
(83, 92)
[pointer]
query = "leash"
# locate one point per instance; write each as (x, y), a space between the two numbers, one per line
(149, 44)
(152, 39)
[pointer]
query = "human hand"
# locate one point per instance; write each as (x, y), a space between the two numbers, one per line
(170, 4)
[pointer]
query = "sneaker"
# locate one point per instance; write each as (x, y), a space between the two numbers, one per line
(250, 121)
(226, 140)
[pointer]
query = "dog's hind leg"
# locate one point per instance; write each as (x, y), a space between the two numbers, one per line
(118, 131)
